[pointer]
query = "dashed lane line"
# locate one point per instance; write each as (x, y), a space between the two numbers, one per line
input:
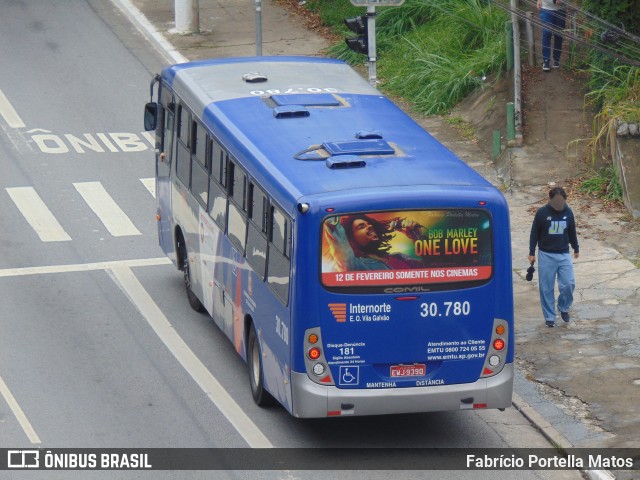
(107, 210)
(37, 214)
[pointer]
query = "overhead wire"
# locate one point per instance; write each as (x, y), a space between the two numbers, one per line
(594, 32)
(591, 24)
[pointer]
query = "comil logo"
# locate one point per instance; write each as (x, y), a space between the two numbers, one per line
(339, 311)
(23, 459)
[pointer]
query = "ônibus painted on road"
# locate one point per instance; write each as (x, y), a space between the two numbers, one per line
(356, 264)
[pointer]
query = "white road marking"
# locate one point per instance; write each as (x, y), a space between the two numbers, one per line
(121, 273)
(83, 267)
(150, 184)
(9, 114)
(134, 290)
(107, 210)
(37, 214)
(19, 414)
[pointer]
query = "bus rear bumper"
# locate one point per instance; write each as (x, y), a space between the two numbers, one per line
(312, 400)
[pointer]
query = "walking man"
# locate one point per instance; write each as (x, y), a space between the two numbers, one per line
(552, 14)
(553, 230)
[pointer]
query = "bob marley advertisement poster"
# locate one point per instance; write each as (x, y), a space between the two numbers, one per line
(406, 248)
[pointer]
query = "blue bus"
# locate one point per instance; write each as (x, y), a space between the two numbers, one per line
(357, 265)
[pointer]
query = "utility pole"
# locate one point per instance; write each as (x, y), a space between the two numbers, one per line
(258, 28)
(365, 27)
(187, 17)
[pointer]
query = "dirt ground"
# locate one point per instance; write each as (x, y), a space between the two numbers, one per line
(558, 121)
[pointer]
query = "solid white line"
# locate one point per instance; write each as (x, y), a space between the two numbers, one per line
(130, 285)
(37, 214)
(83, 267)
(107, 210)
(9, 114)
(150, 184)
(19, 414)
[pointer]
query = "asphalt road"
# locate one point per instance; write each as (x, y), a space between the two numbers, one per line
(98, 345)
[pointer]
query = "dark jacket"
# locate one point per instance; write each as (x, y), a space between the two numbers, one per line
(553, 231)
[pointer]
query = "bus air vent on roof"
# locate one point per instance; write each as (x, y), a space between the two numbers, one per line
(359, 147)
(368, 134)
(345, 161)
(290, 111)
(254, 77)
(306, 99)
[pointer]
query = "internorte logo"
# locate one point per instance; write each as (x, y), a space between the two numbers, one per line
(339, 311)
(358, 312)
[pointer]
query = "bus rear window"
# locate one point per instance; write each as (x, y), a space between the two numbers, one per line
(405, 248)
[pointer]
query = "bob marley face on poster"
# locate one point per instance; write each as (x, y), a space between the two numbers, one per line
(406, 248)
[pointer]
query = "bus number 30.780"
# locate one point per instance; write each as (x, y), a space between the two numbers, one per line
(448, 308)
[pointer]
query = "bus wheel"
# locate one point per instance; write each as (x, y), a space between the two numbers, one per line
(254, 365)
(193, 300)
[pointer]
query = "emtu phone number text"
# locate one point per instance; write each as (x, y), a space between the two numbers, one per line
(456, 350)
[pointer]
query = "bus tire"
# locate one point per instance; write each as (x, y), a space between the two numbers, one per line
(256, 374)
(191, 297)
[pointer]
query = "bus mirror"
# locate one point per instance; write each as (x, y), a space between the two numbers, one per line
(150, 116)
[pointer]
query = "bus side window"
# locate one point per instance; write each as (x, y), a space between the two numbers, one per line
(238, 186)
(237, 221)
(217, 203)
(167, 137)
(257, 230)
(165, 122)
(183, 156)
(279, 263)
(199, 170)
(280, 231)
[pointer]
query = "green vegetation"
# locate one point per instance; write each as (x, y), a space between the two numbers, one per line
(618, 12)
(432, 53)
(614, 91)
(604, 184)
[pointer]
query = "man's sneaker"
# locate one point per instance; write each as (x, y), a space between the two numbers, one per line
(550, 323)
(565, 316)
(556, 64)
(545, 65)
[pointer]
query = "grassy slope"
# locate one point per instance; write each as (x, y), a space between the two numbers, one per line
(432, 53)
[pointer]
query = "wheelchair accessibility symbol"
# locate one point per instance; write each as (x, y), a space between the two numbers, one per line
(349, 376)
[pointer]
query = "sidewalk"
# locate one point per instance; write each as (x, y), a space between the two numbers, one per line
(590, 368)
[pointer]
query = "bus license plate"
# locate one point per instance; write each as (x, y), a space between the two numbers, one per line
(417, 370)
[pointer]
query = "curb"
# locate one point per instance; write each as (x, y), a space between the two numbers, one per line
(146, 28)
(554, 436)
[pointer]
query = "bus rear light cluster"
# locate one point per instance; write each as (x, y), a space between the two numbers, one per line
(497, 349)
(315, 363)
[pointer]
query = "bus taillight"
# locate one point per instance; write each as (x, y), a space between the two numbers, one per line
(498, 344)
(314, 353)
(500, 329)
(313, 338)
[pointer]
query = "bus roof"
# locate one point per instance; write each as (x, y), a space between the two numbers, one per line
(312, 125)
